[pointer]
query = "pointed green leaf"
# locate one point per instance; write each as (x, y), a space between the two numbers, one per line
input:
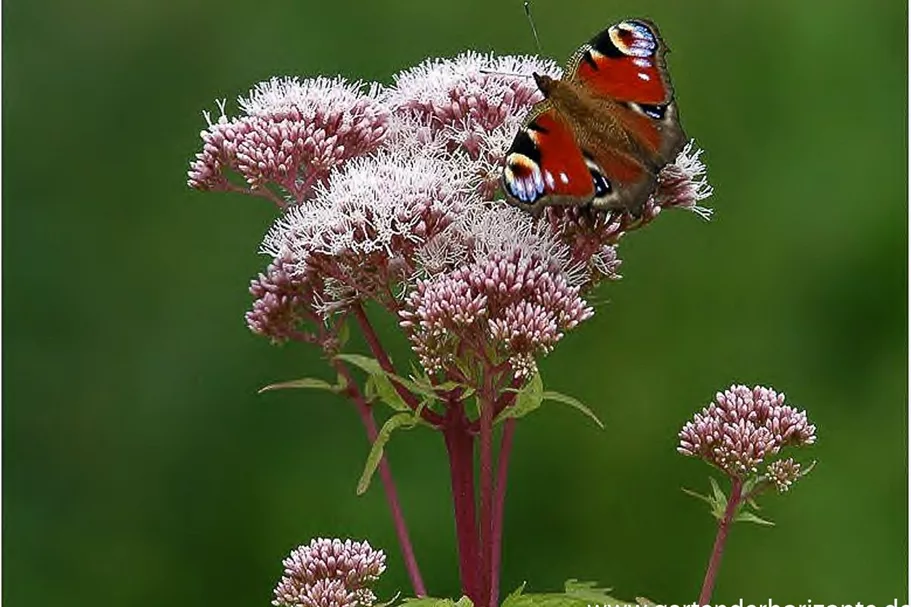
(559, 600)
(717, 491)
(574, 403)
(306, 382)
(807, 470)
(576, 594)
(517, 592)
(528, 398)
(704, 498)
(446, 386)
(588, 591)
(389, 602)
(429, 601)
(717, 502)
(386, 392)
(378, 381)
(370, 365)
(395, 422)
(750, 517)
(751, 483)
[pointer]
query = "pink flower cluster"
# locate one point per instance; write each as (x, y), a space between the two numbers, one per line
(388, 193)
(516, 304)
(473, 103)
(330, 573)
(292, 135)
(783, 473)
(742, 428)
(361, 231)
(284, 299)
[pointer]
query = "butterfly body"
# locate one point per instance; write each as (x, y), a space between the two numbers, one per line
(603, 131)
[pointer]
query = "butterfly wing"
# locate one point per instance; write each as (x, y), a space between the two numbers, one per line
(544, 165)
(625, 64)
(604, 131)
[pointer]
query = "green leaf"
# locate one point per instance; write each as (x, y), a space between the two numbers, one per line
(574, 403)
(807, 470)
(532, 394)
(558, 600)
(446, 386)
(717, 502)
(720, 497)
(341, 382)
(343, 334)
(697, 495)
(370, 365)
(306, 382)
(750, 517)
(380, 386)
(429, 601)
(389, 602)
(515, 592)
(588, 591)
(392, 424)
(751, 483)
(576, 594)
(528, 398)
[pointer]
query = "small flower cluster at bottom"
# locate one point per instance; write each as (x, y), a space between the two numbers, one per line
(743, 428)
(330, 573)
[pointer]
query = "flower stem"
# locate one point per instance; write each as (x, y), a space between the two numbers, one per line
(486, 402)
(460, 447)
(392, 496)
(708, 584)
(373, 341)
(509, 428)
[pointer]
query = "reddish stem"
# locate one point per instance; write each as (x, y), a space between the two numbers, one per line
(392, 497)
(460, 447)
(262, 191)
(708, 585)
(486, 402)
(373, 341)
(509, 428)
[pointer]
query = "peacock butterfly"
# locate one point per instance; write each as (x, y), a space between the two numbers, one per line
(603, 131)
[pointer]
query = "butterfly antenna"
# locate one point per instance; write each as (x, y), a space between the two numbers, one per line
(531, 22)
(534, 31)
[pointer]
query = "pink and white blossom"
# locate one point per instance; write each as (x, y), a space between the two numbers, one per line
(390, 194)
(291, 135)
(330, 573)
(744, 427)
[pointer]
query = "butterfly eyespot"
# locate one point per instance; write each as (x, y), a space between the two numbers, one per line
(633, 38)
(522, 178)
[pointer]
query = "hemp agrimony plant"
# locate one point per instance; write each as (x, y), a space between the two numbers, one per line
(387, 199)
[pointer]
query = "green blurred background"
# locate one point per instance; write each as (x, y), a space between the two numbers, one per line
(140, 467)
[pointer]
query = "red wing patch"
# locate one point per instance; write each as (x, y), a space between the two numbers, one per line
(625, 62)
(544, 165)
